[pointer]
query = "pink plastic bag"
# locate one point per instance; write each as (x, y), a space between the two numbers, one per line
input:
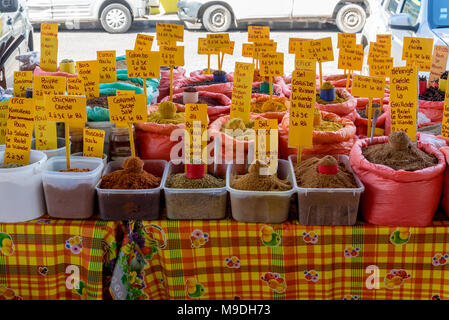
(164, 86)
(445, 199)
(225, 88)
(432, 109)
(340, 109)
(398, 198)
(39, 72)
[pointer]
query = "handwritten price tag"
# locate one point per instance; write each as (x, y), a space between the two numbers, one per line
(93, 142)
(217, 40)
(127, 109)
(371, 87)
(303, 98)
(3, 120)
(68, 109)
(143, 42)
(248, 50)
(89, 71)
(49, 53)
(267, 143)
(22, 80)
(19, 130)
(346, 40)
(203, 48)
(241, 91)
(258, 33)
(170, 32)
(418, 51)
(404, 100)
(384, 39)
(107, 65)
(351, 58)
(380, 66)
(272, 64)
(262, 47)
(195, 133)
(229, 50)
(439, 61)
(143, 64)
(49, 29)
(75, 86)
(445, 122)
(172, 56)
(320, 49)
(378, 50)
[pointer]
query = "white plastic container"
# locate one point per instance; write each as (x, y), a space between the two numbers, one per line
(328, 206)
(60, 151)
(21, 193)
(261, 206)
(105, 158)
(193, 204)
(132, 204)
(71, 195)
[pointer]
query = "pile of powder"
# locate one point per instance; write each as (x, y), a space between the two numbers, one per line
(399, 154)
(270, 105)
(327, 125)
(239, 130)
(254, 181)
(166, 113)
(307, 175)
(327, 85)
(180, 181)
(75, 170)
(132, 176)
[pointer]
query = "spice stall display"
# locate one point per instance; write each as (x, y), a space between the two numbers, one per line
(403, 182)
(70, 193)
(133, 192)
(257, 197)
(263, 87)
(431, 100)
(331, 135)
(19, 183)
(328, 190)
(205, 82)
(218, 104)
(342, 104)
(154, 136)
(275, 108)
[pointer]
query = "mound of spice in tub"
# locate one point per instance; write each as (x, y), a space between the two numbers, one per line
(254, 181)
(274, 108)
(238, 129)
(403, 181)
(343, 105)
(315, 173)
(166, 113)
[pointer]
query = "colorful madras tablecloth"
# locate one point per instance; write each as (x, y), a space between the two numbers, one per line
(57, 259)
(232, 260)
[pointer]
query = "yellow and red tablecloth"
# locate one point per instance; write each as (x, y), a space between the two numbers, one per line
(231, 260)
(48, 259)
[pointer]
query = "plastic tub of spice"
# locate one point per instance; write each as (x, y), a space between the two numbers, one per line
(261, 206)
(132, 204)
(329, 206)
(202, 202)
(70, 195)
(59, 151)
(105, 158)
(21, 193)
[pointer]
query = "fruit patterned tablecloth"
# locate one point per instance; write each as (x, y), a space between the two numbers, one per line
(232, 260)
(39, 258)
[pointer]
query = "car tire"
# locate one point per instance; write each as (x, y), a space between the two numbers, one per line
(116, 18)
(217, 18)
(350, 18)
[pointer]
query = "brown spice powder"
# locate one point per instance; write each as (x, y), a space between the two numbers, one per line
(74, 170)
(254, 181)
(180, 181)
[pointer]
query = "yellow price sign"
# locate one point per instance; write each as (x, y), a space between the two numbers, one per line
(365, 86)
(241, 91)
(303, 96)
(346, 40)
(68, 109)
(380, 66)
(75, 86)
(378, 50)
(22, 80)
(48, 85)
(351, 58)
(49, 54)
(107, 65)
(49, 29)
(170, 32)
(143, 64)
(404, 100)
(305, 64)
(248, 50)
(89, 71)
(272, 63)
(418, 51)
(262, 47)
(320, 49)
(19, 130)
(266, 150)
(195, 133)
(93, 143)
(229, 50)
(3, 120)
(384, 39)
(445, 122)
(293, 44)
(172, 56)
(143, 42)
(439, 62)
(217, 40)
(203, 48)
(126, 109)
(258, 33)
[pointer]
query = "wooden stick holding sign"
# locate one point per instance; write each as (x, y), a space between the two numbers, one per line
(126, 110)
(351, 59)
(195, 140)
(303, 96)
(203, 49)
(227, 50)
(321, 50)
(217, 42)
(370, 87)
(271, 65)
(68, 109)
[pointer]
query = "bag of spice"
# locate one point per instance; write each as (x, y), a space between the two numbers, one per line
(218, 104)
(278, 90)
(164, 86)
(276, 108)
(205, 82)
(445, 198)
(334, 135)
(343, 105)
(39, 72)
(338, 80)
(153, 137)
(361, 120)
(403, 182)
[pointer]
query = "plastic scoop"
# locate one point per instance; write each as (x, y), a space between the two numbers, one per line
(373, 127)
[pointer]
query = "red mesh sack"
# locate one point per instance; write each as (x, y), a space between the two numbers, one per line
(225, 87)
(164, 86)
(432, 109)
(340, 109)
(39, 72)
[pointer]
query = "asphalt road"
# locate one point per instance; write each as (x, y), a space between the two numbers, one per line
(83, 44)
